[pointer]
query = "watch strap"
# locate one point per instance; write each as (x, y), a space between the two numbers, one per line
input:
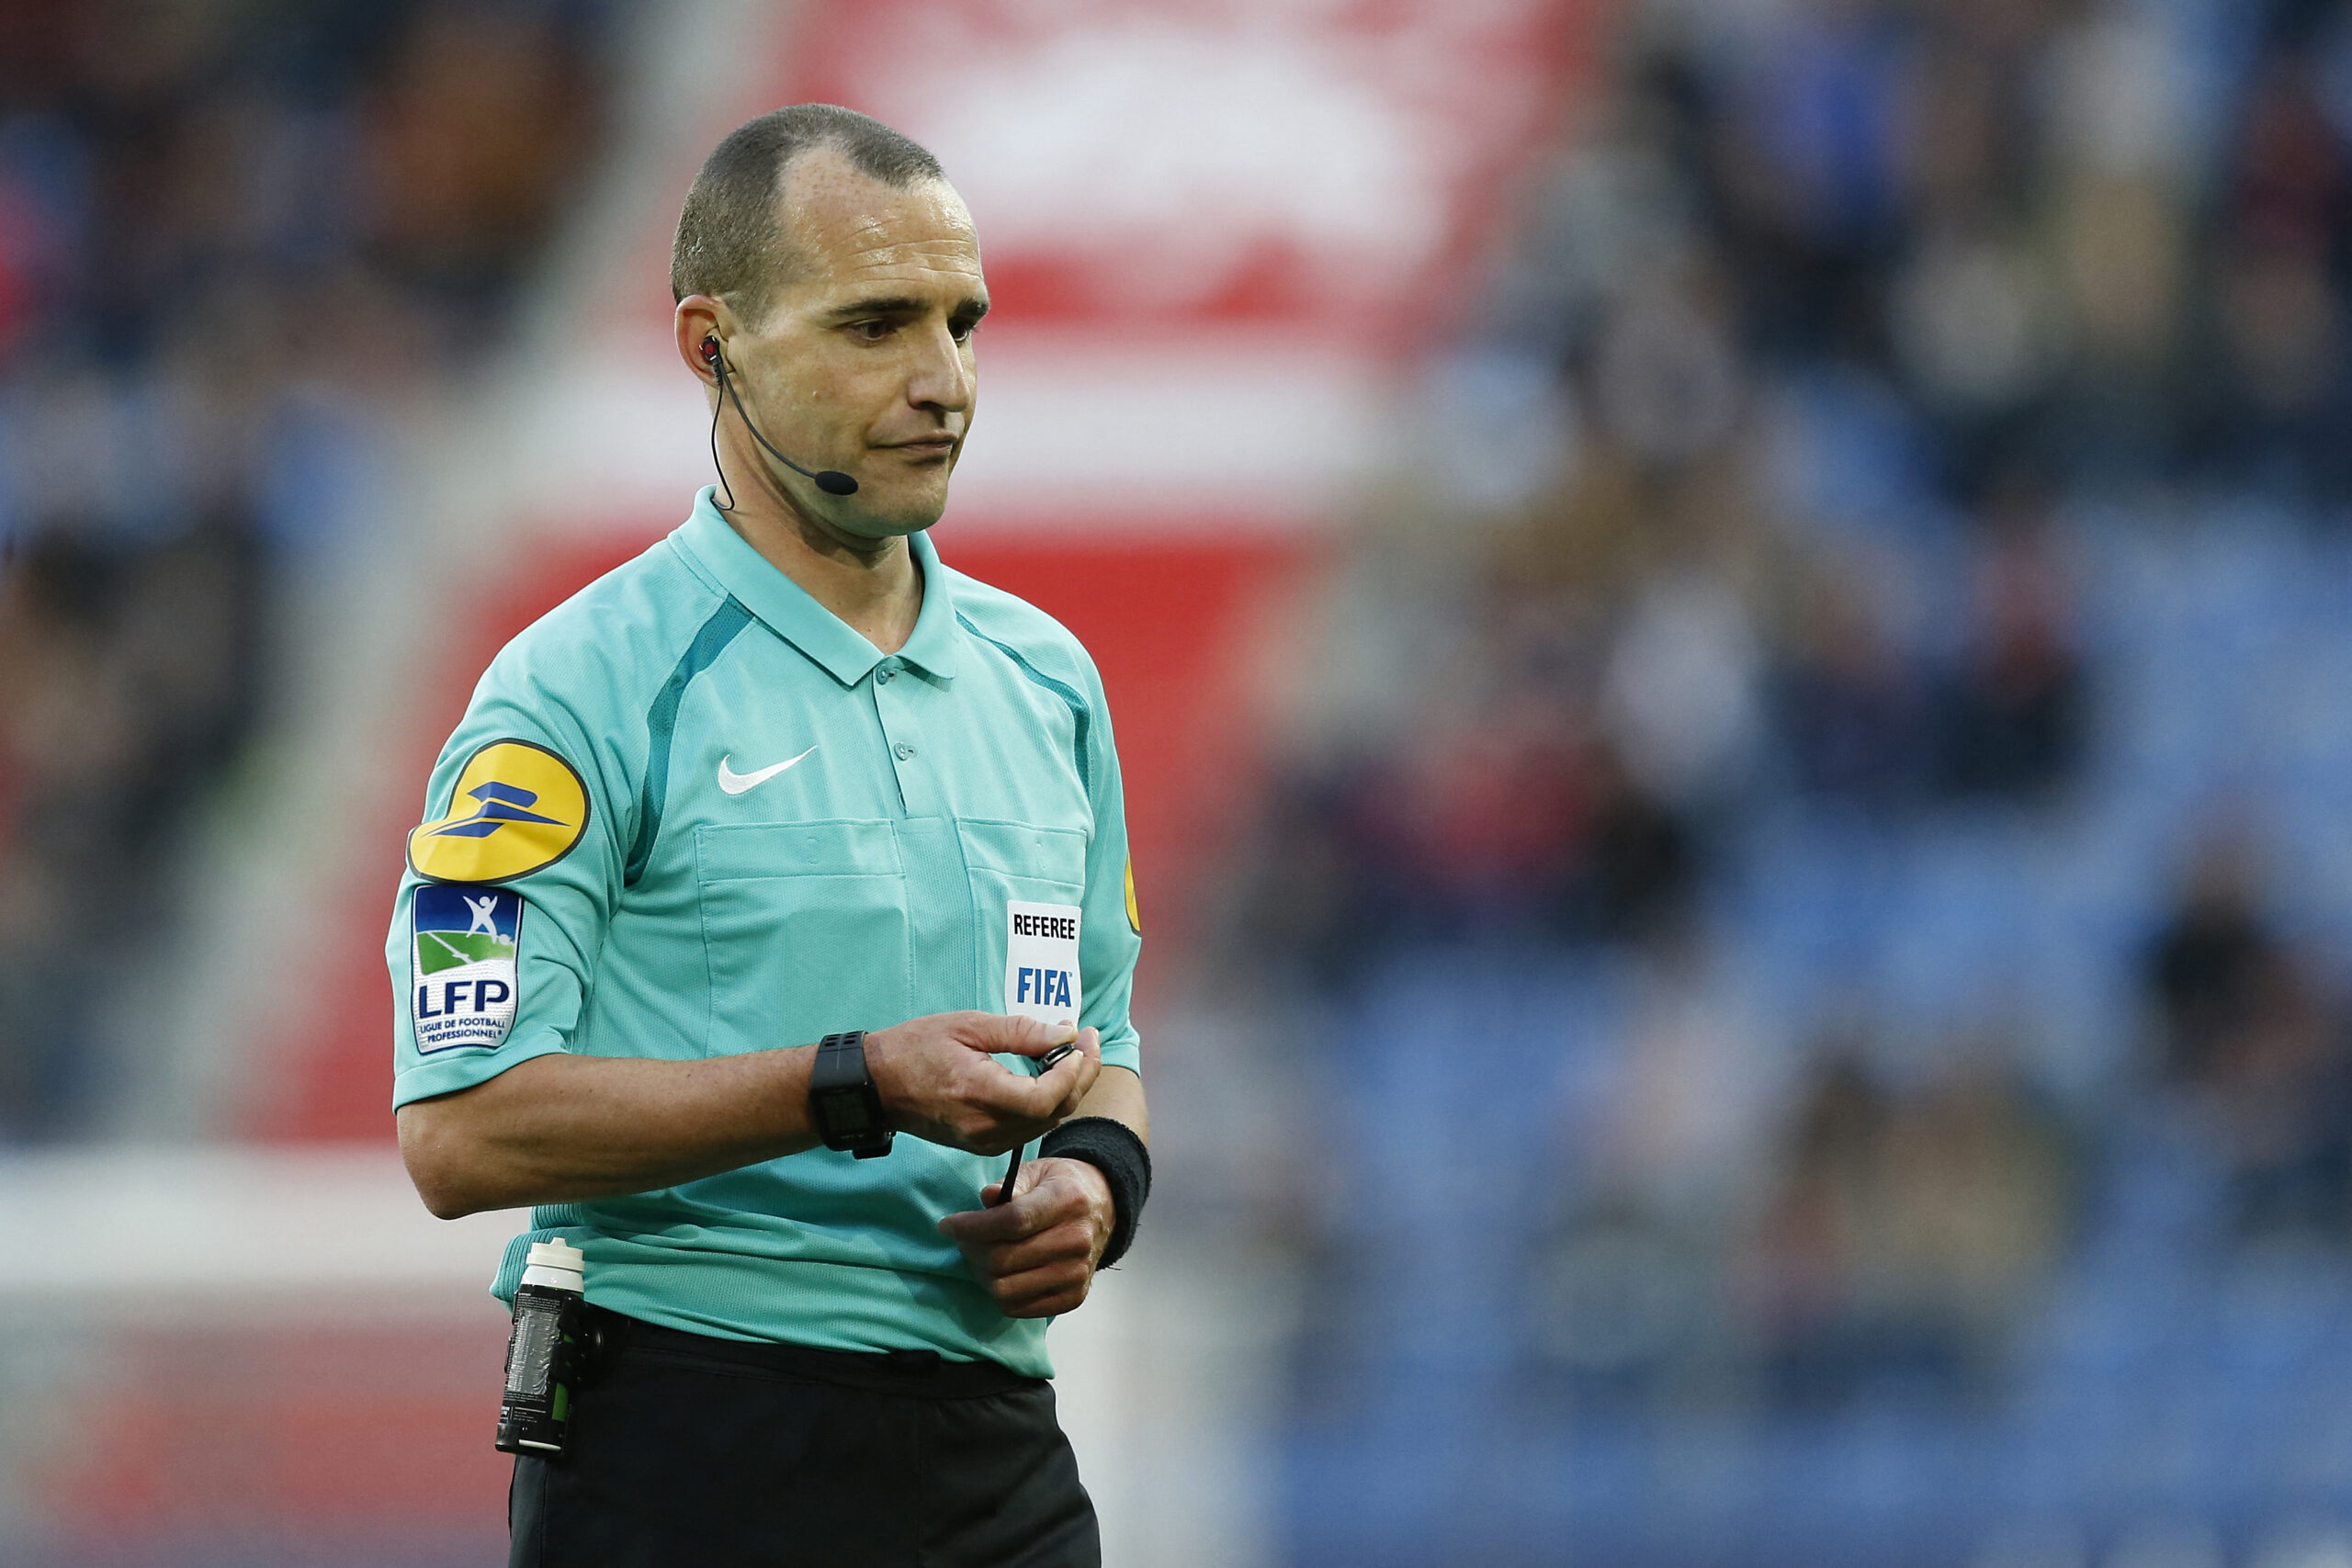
(843, 1100)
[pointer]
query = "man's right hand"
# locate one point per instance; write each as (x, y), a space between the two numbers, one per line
(937, 1081)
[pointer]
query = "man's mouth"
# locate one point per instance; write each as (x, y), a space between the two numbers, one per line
(927, 446)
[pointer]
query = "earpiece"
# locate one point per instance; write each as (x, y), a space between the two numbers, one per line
(710, 352)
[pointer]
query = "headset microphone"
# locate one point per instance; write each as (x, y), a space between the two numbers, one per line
(833, 481)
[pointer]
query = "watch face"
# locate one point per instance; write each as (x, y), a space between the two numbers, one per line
(848, 1114)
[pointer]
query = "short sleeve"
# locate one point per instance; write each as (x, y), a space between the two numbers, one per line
(510, 884)
(1111, 928)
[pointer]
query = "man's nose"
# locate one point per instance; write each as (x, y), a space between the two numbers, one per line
(941, 379)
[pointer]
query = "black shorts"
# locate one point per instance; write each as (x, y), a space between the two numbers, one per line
(687, 1449)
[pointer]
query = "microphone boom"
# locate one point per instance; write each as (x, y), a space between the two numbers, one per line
(833, 481)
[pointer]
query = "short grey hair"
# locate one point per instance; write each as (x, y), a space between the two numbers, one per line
(730, 240)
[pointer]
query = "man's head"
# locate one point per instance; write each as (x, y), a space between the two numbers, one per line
(838, 273)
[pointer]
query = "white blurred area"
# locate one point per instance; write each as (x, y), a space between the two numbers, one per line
(211, 1263)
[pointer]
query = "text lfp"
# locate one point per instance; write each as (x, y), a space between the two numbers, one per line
(484, 996)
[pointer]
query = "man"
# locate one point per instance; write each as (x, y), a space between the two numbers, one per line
(784, 778)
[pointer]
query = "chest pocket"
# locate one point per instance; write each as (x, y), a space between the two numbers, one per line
(805, 928)
(1008, 861)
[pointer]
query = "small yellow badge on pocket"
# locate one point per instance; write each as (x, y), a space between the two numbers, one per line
(1133, 918)
(517, 806)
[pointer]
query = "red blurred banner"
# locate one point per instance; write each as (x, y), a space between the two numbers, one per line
(1323, 170)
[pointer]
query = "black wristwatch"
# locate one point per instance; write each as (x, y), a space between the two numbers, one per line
(842, 1099)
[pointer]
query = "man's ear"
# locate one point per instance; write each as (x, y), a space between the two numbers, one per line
(699, 319)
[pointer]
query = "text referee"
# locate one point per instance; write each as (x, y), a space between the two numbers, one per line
(784, 778)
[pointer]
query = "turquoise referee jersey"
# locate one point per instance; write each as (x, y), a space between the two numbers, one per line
(689, 813)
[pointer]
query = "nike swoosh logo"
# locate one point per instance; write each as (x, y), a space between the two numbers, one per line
(734, 783)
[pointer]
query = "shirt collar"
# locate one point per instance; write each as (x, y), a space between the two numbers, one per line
(786, 608)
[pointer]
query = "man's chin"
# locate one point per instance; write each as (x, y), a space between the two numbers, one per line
(894, 516)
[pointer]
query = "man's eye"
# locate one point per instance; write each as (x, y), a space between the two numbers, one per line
(962, 331)
(871, 331)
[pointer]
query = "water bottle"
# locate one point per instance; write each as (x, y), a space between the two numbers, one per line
(534, 1414)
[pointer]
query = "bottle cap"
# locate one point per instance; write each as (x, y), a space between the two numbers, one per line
(557, 1255)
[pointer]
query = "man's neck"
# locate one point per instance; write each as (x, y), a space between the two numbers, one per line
(872, 585)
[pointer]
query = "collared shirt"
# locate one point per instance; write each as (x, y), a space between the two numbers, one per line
(690, 813)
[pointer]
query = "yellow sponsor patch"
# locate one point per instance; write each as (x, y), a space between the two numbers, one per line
(517, 808)
(1134, 918)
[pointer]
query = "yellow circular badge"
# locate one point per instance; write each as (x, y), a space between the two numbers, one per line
(1133, 918)
(517, 808)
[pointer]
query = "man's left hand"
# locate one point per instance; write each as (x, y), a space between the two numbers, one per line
(1036, 1254)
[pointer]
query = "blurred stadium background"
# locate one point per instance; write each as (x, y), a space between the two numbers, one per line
(1731, 625)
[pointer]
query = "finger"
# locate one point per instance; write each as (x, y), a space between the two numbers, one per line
(1078, 1090)
(984, 1227)
(1035, 1210)
(1031, 1288)
(1040, 1280)
(1054, 1094)
(1025, 1180)
(1030, 1212)
(1042, 1202)
(1071, 1241)
(1075, 1074)
(1026, 1097)
(1016, 1035)
(1014, 1102)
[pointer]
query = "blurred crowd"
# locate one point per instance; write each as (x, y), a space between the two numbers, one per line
(232, 236)
(1839, 341)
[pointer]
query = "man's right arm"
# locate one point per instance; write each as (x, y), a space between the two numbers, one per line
(562, 1128)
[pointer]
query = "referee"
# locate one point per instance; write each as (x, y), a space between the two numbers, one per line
(781, 840)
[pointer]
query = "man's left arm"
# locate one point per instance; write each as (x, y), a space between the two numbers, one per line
(1038, 1253)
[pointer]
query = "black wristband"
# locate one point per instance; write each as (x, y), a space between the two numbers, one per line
(1112, 1148)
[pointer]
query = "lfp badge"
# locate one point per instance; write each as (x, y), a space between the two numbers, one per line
(462, 981)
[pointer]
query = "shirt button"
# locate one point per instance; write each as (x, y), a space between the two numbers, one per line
(904, 752)
(881, 677)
